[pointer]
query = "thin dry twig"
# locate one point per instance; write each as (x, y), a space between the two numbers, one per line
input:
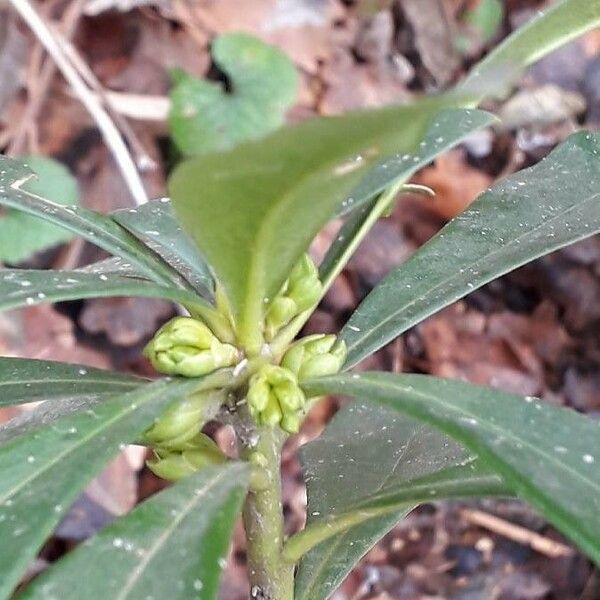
(42, 78)
(143, 160)
(105, 124)
(537, 542)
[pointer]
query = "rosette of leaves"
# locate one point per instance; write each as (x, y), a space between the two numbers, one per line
(249, 214)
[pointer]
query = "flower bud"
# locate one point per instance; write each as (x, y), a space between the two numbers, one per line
(274, 398)
(315, 356)
(201, 452)
(185, 346)
(299, 292)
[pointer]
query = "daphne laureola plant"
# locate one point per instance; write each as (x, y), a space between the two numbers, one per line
(240, 267)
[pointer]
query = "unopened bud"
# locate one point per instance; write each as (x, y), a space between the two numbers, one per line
(185, 346)
(274, 398)
(315, 356)
(201, 452)
(301, 291)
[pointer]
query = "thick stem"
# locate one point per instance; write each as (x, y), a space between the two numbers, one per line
(271, 578)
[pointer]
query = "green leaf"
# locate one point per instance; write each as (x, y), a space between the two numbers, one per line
(363, 474)
(173, 546)
(527, 215)
(263, 84)
(547, 455)
(25, 380)
(448, 129)
(94, 227)
(21, 235)
(254, 210)
(27, 287)
(155, 225)
(44, 471)
(550, 29)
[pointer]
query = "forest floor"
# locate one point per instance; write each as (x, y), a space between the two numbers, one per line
(534, 332)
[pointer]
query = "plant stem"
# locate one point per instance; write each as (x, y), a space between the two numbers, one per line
(271, 578)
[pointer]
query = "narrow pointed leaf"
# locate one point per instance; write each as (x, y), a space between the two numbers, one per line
(25, 287)
(155, 225)
(448, 128)
(527, 215)
(25, 380)
(547, 455)
(254, 210)
(44, 471)
(94, 227)
(550, 29)
(172, 546)
(368, 469)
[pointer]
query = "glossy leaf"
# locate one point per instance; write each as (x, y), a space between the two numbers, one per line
(254, 210)
(547, 455)
(448, 129)
(523, 217)
(25, 380)
(173, 546)
(262, 85)
(44, 470)
(549, 30)
(22, 235)
(155, 225)
(25, 287)
(369, 468)
(94, 227)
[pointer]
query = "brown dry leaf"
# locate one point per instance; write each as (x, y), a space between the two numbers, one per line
(455, 183)
(304, 35)
(433, 37)
(458, 346)
(125, 321)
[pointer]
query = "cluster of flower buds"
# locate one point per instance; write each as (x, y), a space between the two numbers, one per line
(300, 291)
(179, 447)
(315, 356)
(274, 398)
(185, 346)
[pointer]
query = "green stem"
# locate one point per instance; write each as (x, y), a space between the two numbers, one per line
(271, 578)
(290, 331)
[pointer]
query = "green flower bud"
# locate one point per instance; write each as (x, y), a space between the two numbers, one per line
(185, 346)
(315, 356)
(299, 292)
(274, 398)
(305, 293)
(201, 452)
(281, 311)
(171, 467)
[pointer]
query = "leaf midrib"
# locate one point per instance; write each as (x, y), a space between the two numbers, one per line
(135, 574)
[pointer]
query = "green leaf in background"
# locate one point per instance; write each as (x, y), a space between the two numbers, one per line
(44, 470)
(22, 235)
(98, 229)
(173, 546)
(523, 217)
(369, 468)
(262, 85)
(27, 287)
(563, 21)
(155, 225)
(254, 210)
(26, 380)
(483, 23)
(547, 455)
